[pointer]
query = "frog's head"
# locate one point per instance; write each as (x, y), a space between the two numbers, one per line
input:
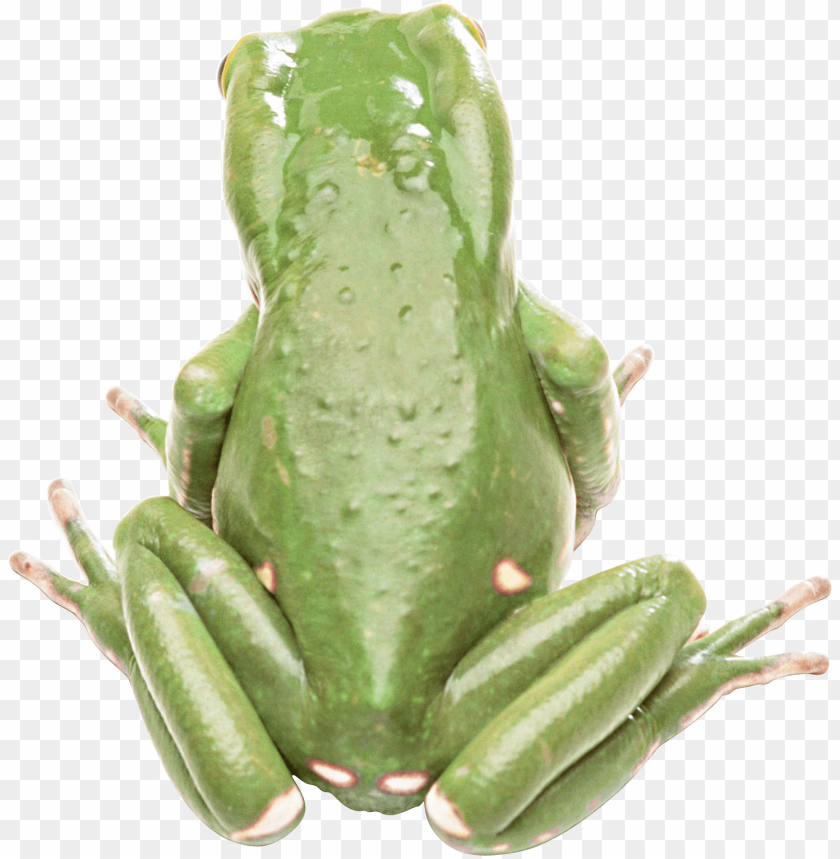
(407, 101)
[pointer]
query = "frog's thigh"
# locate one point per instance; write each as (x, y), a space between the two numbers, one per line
(230, 757)
(202, 401)
(703, 671)
(578, 662)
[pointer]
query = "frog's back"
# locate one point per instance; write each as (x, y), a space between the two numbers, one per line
(390, 462)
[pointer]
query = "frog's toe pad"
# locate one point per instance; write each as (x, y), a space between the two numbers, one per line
(63, 503)
(276, 818)
(801, 595)
(444, 814)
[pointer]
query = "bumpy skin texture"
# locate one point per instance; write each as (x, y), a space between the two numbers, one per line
(378, 476)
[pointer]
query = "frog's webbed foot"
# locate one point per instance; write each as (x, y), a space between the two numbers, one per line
(540, 767)
(583, 396)
(179, 613)
(191, 444)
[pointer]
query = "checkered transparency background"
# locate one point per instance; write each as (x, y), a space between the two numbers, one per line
(675, 184)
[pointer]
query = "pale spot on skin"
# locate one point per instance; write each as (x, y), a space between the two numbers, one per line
(558, 408)
(284, 475)
(545, 836)
(156, 597)
(333, 774)
(186, 463)
(403, 783)
(195, 373)
(643, 759)
(445, 815)
(266, 573)
(500, 848)
(462, 771)
(784, 666)
(213, 509)
(509, 578)
(269, 433)
(214, 567)
(281, 812)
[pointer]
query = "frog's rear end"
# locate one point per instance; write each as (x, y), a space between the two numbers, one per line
(407, 491)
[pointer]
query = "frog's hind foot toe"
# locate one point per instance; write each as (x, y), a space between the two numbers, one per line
(631, 369)
(149, 426)
(737, 634)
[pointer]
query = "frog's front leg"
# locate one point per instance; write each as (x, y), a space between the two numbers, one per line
(559, 707)
(584, 398)
(191, 445)
(210, 656)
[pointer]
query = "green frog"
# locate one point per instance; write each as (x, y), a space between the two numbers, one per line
(379, 475)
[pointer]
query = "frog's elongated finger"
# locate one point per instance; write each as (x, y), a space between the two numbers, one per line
(631, 368)
(93, 561)
(62, 591)
(203, 398)
(150, 427)
(574, 370)
(531, 641)
(96, 605)
(224, 745)
(737, 634)
(238, 611)
(574, 705)
(687, 691)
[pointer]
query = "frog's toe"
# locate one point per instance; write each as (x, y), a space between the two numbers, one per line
(737, 634)
(95, 600)
(150, 427)
(631, 369)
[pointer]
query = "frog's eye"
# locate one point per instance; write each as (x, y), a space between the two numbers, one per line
(480, 31)
(220, 72)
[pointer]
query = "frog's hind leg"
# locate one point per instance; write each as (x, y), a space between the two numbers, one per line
(583, 396)
(212, 743)
(191, 444)
(567, 743)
